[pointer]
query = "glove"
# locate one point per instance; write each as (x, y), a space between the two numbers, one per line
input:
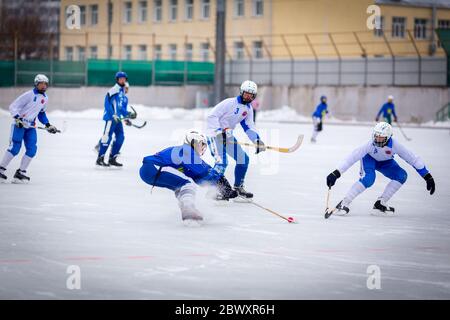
(376, 119)
(19, 122)
(430, 183)
(225, 189)
(127, 122)
(395, 119)
(131, 115)
(51, 128)
(260, 146)
(332, 177)
(116, 118)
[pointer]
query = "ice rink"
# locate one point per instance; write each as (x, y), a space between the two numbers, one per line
(129, 243)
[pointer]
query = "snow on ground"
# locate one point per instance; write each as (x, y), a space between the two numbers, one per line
(129, 242)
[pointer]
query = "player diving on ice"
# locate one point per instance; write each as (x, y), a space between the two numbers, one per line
(220, 125)
(24, 111)
(378, 155)
(187, 162)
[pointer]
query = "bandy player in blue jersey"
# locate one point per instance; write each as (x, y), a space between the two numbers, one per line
(221, 122)
(24, 110)
(378, 155)
(180, 169)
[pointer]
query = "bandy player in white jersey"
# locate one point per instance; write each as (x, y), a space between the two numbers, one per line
(24, 111)
(378, 155)
(221, 122)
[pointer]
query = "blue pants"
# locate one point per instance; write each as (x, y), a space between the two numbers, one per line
(388, 168)
(155, 177)
(110, 128)
(28, 136)
(236, 152)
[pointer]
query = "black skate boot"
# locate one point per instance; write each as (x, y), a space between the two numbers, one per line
(101, 162)
(382, 207)
(341, 207)
(242, 192)
(113, 162)
(20, 176)
(3, 176)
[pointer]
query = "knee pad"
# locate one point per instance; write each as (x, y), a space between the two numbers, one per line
(402, 176)
(15, 148)
(31, 151)
(368, 180)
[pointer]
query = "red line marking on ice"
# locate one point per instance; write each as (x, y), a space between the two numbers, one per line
(16, 261)
(85, 258)
(139, 257)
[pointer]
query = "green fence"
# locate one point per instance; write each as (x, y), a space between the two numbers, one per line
(101, 72)
(444, 39)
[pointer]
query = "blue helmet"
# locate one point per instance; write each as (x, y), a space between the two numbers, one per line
(121, 74)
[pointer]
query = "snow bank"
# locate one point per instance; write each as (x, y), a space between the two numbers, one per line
(284, 114)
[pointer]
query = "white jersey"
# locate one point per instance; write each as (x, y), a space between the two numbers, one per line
(382, 154)
(28, 105)
(227, 114)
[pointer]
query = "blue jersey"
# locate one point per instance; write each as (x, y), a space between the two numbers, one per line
(321, 110)
(115, 103)
(387, 109)
(184, 159)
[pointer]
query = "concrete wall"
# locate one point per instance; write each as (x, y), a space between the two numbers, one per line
(414, 104)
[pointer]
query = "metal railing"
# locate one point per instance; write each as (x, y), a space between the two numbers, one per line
(444, 113)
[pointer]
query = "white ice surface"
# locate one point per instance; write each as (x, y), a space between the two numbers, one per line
(132, 244)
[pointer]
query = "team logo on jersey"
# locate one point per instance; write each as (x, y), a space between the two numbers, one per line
(388, 152)
(42, 101)
(244, 113)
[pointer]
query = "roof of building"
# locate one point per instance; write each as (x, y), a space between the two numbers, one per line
(417, 3)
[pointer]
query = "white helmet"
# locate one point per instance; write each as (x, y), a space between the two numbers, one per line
(250, 87)
(382, 130)
(40, 78)
(196, 140)
(391, 97)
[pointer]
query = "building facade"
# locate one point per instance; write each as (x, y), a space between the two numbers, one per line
(255, 29)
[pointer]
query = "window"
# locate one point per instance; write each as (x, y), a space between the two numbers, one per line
(420, 28)
(157, 4)
(258, 8)
(127, 12)
(173, 51)
(444, 24)
(127, 52)
(69, 53)
(188, 51)
(398, 27)
(379, 32)
(94, 14)
(239, 50)
(82, 15)
(205, 7)
(239, 8)
(110, 13)
(157, 52)
(142, 52)
(142, 11)
(173, 10)
(189, 9)
(81, 53)
(257, 49)
(93, 52)
(204, 51)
